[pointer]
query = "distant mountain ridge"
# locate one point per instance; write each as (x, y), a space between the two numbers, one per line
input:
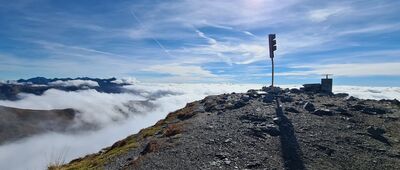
(46, 81)
(9, 90)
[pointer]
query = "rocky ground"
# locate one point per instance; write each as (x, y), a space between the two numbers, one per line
(263, 129)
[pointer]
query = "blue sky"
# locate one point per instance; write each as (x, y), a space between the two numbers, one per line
(202, 41)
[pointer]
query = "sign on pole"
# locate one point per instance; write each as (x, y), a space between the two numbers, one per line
(272, 48)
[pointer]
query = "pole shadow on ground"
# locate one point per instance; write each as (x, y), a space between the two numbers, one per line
(290, 148)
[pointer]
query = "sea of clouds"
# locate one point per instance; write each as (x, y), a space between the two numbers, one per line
(109, 112)
(69, 83)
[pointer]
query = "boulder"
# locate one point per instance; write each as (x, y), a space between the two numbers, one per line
(341, 95)
(239, 104)
(252, 93)
(150, 147)
(394, 101)
(309, 107)
(261, 132)
(229, 105)
(286, 98)
(272, 90)
(351, 98)
(268, 98)
(245, 98)
(323, 112)
(254, 165)
(209, 104)
(373, 111)
(272, 130)
(291, 109)
(222, 155)
(392, 117)
(377, 133)
(343, 112)
(286, 90)
(329, 104)
(276, 120)
(295, 91)
(357, 107)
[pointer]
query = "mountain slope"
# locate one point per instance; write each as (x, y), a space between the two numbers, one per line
(269, 129)
(18, 123)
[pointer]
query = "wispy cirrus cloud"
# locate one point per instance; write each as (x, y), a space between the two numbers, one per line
(381, 28)
(180, 70)
(320, 15)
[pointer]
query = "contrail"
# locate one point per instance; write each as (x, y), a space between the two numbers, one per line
(154, 39)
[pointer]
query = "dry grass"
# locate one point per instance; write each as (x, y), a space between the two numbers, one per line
(173, 130)
(56, 161)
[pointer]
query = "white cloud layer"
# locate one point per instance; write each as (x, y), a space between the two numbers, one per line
(126, 80)
(364, 92)
(77, 83)
(93, 107)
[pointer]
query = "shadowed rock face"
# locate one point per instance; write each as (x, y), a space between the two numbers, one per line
(257, 130)
(19, 123)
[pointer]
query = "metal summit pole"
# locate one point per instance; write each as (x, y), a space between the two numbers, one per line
(272, 60)
(272, 48)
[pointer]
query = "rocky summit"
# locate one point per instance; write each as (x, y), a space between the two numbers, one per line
(271, 128)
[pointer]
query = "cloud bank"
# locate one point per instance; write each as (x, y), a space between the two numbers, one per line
(77, 83)
(126, 80)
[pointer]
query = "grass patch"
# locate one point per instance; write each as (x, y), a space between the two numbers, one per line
(56, 160)
(97, 161)
(151, 131)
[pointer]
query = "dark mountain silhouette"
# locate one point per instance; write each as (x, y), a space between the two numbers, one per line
(20, 123)
(38, 85)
